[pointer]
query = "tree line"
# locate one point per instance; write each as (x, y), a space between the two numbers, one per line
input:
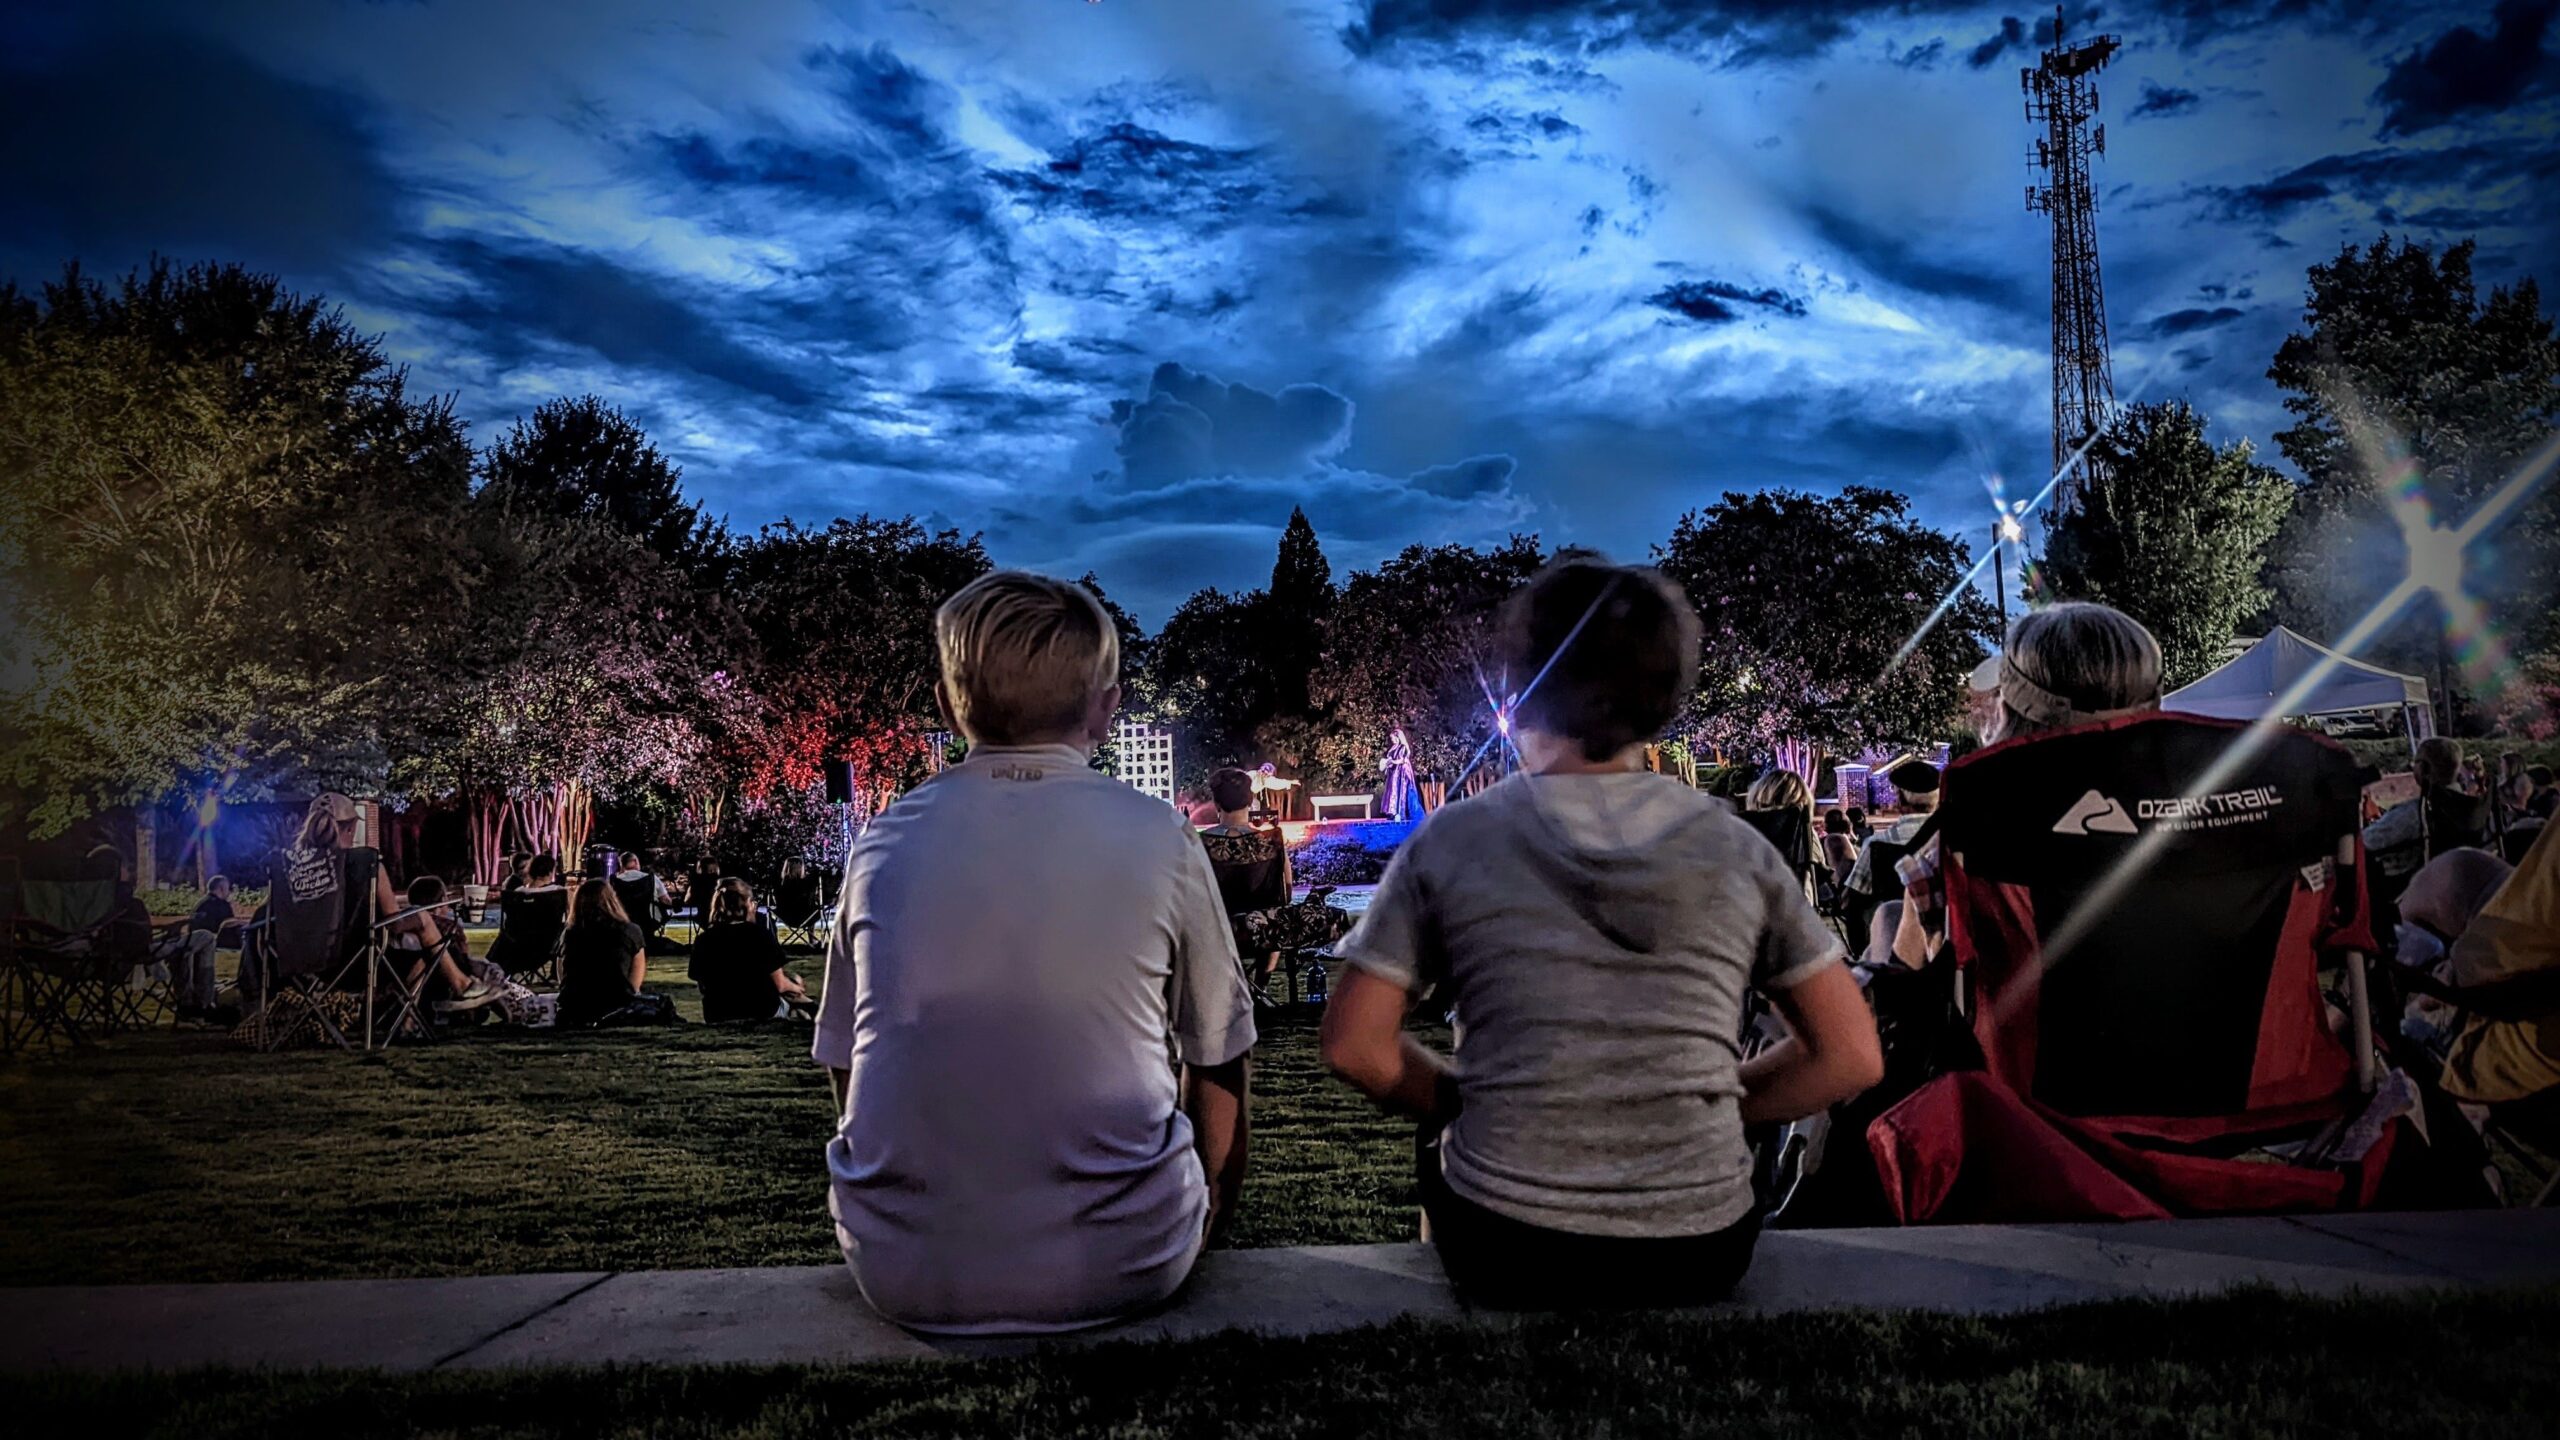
(243, 559)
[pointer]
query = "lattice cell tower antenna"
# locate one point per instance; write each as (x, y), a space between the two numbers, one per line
(2062, 96)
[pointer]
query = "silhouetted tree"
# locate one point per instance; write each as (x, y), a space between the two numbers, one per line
(2173, 532)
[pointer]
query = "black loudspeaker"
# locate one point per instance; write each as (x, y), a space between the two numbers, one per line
(840, 782)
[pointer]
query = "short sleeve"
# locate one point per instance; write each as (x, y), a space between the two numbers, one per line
(1795, 943)
(1397, 938)
(1210, 1010)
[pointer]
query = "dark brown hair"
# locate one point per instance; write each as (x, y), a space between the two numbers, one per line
(1230, 788)
(597, 904)
(1604, 654)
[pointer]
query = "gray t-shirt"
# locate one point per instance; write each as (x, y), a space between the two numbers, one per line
(1595, 934)
(1025, 949)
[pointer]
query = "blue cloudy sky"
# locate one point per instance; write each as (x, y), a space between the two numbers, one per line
(1118, 283)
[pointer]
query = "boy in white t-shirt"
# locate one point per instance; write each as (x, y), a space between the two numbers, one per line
(1033, 1009)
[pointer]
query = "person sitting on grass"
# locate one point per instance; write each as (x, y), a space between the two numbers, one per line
(1594, 927)
(1033, 1014)
(643, 898)
(438, 939)
(603, 963)
(1254, 884)
(530, 918)
(739, 966)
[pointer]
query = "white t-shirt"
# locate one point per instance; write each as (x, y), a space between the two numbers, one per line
(1025, 949)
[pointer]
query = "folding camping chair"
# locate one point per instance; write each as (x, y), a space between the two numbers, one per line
(2139, 912)
(807, 929)
(322, 945)
(532, 926)
(79, 965)
(398, 1004)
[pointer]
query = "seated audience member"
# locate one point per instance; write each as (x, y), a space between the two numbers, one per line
(193, 976)
(798, 895)
(1859, 830)
(531, 918)
(2512, 944)
(439, 940)
(1915, 785)
(1783, 793)
(519, 867)
(1596, 928)
(2064, 665)
(2437, 909)
(323, 862)
(2541, 795)
(603, 962)
(2440, 818)
(1033, 1011)
(642, 897)
(1839, 845)
(739, 966)
(1251, 863)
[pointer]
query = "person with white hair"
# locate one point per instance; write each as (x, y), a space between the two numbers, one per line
(2064, 665)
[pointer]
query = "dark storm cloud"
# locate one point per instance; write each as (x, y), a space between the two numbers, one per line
(2187, 322)
(1128, 172)
(2373, 177)
(2465, 71)
(1899, 258)
(1512, 132)
(150, 144)
(1481, 475)
(2160, 101)
(1755, 29)
(894, 98)
(1923, 57)
(1712, 302)
(1191, 426)
(2012, 35)
(784, 165)
(522, 297)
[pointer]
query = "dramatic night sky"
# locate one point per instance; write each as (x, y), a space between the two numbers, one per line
(1117, 283)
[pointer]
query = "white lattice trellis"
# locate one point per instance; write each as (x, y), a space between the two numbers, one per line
(1143, 757)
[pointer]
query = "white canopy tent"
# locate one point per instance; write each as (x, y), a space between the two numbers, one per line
(2248, 686)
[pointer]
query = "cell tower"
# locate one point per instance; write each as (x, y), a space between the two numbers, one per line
(2062, 96)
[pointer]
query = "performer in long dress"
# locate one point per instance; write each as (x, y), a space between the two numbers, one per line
(1403, 796)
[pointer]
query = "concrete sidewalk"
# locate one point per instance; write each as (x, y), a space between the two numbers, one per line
(813, 1315)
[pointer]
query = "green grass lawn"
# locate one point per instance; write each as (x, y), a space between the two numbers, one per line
(177, 1157)
(2474, 1365)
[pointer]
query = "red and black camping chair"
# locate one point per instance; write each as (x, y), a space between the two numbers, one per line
(2140, 924)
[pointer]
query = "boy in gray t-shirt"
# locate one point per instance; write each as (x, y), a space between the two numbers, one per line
(1595, 927)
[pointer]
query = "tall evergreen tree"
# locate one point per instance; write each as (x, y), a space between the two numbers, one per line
(1295, 611)
(2173, 532)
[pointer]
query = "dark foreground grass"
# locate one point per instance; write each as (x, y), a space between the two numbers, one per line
(176, 1157)
(2249, 1364)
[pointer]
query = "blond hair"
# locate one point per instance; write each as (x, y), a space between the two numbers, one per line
(1023, 656)
(1779, 790)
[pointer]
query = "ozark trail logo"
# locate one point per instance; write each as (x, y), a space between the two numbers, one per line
(2094, 814)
